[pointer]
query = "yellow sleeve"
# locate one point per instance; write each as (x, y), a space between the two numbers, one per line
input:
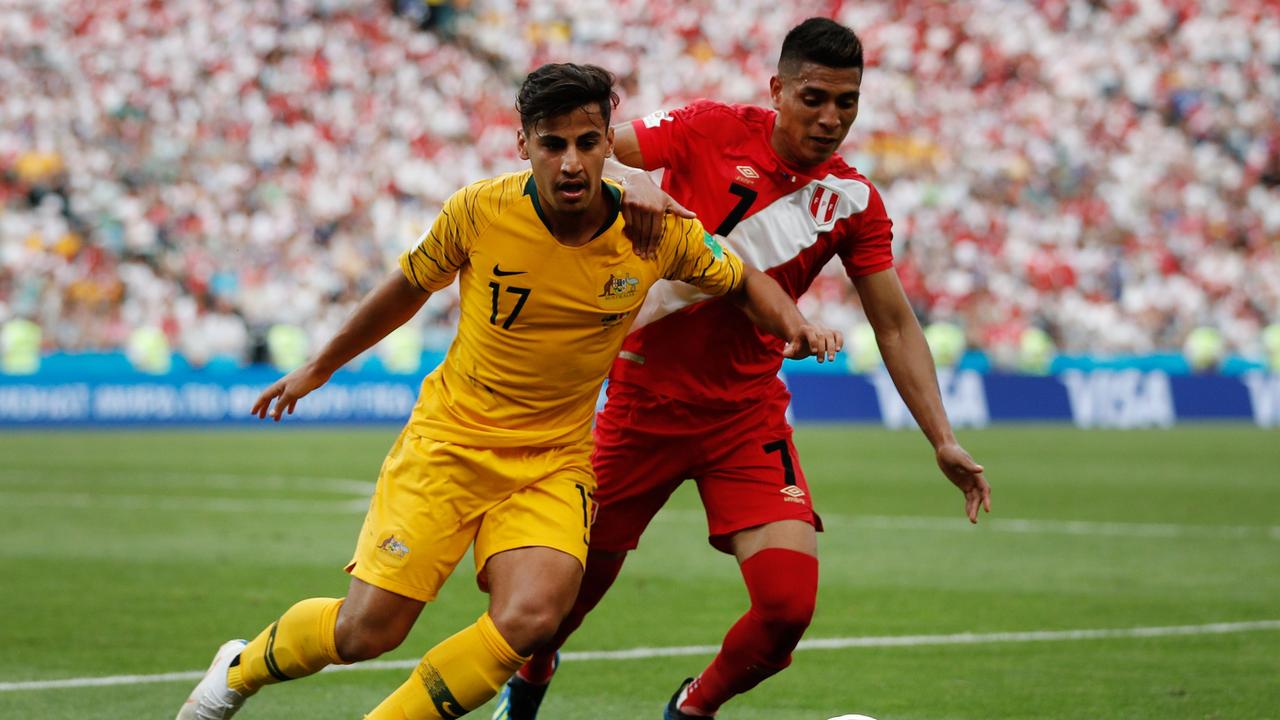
(446, 247)
(690, 253)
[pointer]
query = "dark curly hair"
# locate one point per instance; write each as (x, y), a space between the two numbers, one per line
(558, 88)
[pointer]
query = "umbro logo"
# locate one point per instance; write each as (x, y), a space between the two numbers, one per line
(793, 491)
(748, 172)
(503, 273)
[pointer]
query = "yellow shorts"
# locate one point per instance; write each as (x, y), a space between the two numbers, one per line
(433, 499)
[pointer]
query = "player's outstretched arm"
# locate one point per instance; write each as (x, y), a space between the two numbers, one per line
(773, 310)
(644, 204)
(386, 308)
(907, 358)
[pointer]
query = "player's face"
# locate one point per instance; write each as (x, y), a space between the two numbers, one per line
(816, 107)
(567, 153)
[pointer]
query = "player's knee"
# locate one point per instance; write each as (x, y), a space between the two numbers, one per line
(783, 585)
(784, 612)
(527, 626)
(360, 638)
(781, 615)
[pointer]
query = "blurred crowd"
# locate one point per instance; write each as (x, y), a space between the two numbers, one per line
(1104, 173)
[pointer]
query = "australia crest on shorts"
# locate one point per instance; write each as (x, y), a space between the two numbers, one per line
(393, 546)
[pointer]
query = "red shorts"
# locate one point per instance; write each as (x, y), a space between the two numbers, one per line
(743, 461)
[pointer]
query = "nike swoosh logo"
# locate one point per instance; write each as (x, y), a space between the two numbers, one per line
(503, 273)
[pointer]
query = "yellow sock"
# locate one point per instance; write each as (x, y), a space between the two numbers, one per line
(300, 643)
(456, 676)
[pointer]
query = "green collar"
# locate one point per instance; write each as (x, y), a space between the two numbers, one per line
(611, 192)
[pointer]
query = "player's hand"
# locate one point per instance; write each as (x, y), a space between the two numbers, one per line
(644, 210)
(287, 390)
(965, 474)
(820, 342)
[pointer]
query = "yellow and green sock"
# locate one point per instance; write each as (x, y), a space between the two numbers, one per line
(300, 643)
(455, 677)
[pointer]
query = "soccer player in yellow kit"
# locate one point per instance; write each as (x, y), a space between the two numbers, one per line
(497, 451)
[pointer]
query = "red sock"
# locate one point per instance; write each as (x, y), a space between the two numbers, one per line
(783, 585)
(602, 569)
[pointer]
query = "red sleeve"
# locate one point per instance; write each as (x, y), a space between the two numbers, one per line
(667, 137)
(868, 248)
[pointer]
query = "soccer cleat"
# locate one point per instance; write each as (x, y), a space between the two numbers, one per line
(520, 698)
(212, 699)
(673, 708)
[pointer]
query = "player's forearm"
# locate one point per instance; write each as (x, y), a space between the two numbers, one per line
(910, 364)
(393, 303)
(623, 173)
(767, 305)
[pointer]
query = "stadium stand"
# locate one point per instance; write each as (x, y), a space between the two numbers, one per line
(1103, 176)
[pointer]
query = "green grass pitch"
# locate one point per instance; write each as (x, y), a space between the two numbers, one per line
(137, 553)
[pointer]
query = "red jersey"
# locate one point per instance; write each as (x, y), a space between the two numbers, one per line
(789, 222)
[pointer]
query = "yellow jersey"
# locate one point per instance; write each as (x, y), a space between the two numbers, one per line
(541, 321)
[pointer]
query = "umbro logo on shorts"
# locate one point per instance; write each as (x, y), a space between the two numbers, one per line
(793, 493)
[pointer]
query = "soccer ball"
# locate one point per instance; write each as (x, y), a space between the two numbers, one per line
(852, 717)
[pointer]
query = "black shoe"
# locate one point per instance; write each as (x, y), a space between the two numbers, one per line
(673, 711)
(520, 698)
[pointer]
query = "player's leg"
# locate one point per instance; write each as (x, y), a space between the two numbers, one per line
(309, 636)
(525, 690)
(619, 523)
(405, 551)
(529, 551)
(601, 571)
(322, 631)
(373, 621)
(779, 564)
(530, 589)
(758, 509)
(634, 481)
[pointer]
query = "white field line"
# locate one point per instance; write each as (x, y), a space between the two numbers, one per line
(642, 653)
(1073, 527)
(10, 476)
(182, 503)
(1026, 526)
(362, 490)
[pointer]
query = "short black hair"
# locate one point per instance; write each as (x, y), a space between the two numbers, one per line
(820, 41)
(559, 88)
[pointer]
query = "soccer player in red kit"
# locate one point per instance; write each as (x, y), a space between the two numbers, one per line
(695, 391)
